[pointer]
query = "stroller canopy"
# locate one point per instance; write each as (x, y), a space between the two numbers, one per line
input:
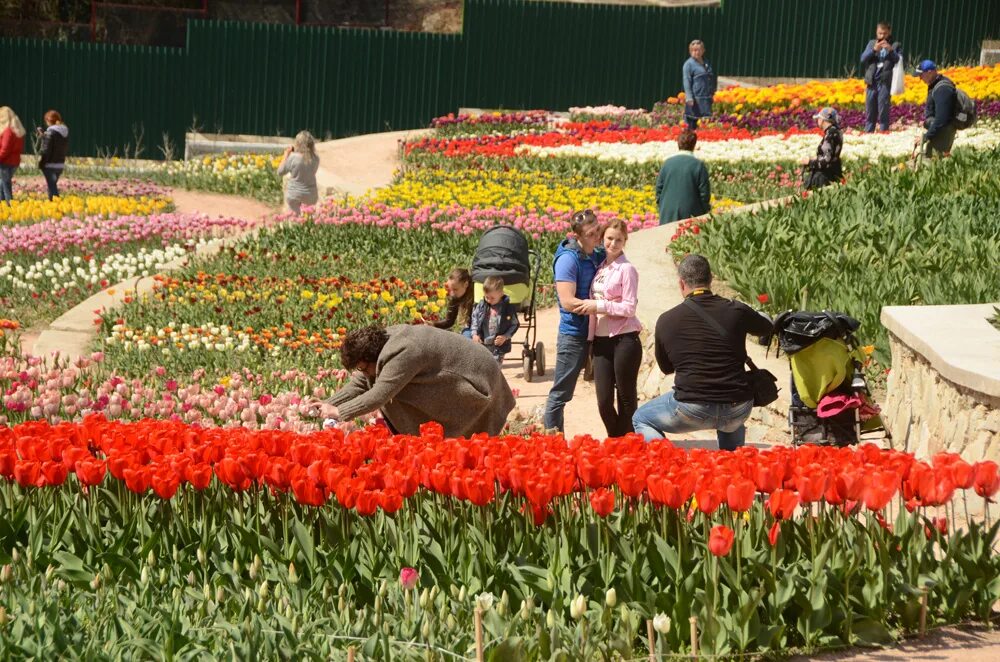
(503, 252)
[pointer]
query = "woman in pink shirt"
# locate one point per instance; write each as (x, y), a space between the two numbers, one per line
(614, 330)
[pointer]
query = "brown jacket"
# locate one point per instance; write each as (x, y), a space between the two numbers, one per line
(426, 374)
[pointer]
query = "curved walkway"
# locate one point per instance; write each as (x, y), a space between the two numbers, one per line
(72, 332)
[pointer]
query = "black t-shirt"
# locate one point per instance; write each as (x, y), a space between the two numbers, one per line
(709, 368)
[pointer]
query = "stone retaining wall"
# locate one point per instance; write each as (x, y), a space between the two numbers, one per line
(928, 413)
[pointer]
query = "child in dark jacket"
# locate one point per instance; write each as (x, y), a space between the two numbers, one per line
(494, 319)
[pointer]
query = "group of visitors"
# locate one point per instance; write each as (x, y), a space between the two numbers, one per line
(686, 179)
(52, 149)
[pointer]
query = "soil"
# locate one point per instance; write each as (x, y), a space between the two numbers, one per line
(968, 643)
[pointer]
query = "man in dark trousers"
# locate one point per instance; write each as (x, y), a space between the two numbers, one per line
(878, 59)
(711, 390)
(682, 188)
(939, 113)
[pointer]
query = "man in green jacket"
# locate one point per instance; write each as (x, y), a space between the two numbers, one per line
(682, 189)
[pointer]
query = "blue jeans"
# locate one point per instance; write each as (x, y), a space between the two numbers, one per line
(467, 333)
(877, 102)
(666, 414)
(7, 183)
(51, 179)
(571, 355)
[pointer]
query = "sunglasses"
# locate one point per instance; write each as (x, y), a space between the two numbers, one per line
(585, 216)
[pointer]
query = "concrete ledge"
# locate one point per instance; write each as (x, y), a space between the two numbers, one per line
(957, 341)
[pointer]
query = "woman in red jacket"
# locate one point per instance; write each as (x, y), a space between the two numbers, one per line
(11, 146)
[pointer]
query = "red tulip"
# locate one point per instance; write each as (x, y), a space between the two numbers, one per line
(164, 482)
(739, 495)
(8, 458)
(91, 471)
(29, 474)
(763, 298)
(409, 578)
(879, 489)
(962, 474)
(811, 483)
(720, 541)
(602, 500)
(307, 492)
(199, 475)
(987, 480)
(390, 501)
(709, 497)
(137, 479)
(367, 503)
(54, 473)
(783, 503)
(772, 535)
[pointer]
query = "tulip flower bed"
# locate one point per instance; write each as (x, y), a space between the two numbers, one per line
(56, 390)
(284, 298)
(220, 542)
(28, 210)
(890, 236)
(250, 175)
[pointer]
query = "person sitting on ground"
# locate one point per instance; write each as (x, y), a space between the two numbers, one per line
(53, 150)
(682, 188)
(416, 374)
(11, 146)
(300, 163)
(711, 390)
(939, 111)
(614, 329)
(459, 302)
(826, 168)
(494, 319)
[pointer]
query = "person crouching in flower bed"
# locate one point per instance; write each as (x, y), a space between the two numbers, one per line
(300, 163)
(459, 302)
(826, 168)
(416, 374)
(494, 319)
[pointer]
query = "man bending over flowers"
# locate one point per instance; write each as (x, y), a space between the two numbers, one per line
(416, 374)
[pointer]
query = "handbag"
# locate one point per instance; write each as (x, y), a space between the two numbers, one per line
(763, 384)
(898, 80)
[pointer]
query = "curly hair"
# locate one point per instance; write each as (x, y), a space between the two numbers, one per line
(363, 345)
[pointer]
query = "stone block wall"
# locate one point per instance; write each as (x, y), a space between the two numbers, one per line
(927, 413)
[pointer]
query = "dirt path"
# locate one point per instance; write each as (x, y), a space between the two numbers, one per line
(972, 643)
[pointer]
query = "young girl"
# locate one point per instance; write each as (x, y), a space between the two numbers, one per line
(459, 302)
(614, 329)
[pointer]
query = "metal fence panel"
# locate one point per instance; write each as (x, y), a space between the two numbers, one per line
(277, 79)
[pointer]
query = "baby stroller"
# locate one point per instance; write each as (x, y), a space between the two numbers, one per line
(503, 251)
(831, 403)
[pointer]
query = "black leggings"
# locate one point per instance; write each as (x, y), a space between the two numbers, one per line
(616, 369)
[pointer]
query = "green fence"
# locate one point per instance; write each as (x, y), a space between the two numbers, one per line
(275, 80)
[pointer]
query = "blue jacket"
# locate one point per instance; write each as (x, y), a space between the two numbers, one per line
(940, 109)
(699, 80)
(508, 323)
(876, 75)
(571, 262)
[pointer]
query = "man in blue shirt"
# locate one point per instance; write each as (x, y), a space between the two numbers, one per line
(575, 264)
(879, 57)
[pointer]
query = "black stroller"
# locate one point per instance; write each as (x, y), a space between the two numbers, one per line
(831, 403)
(503, 251)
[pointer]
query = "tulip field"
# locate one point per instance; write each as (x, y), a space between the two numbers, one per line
(169, 494)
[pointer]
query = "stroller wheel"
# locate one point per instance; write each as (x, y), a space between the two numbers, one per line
(526, 364)
(539, 358)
